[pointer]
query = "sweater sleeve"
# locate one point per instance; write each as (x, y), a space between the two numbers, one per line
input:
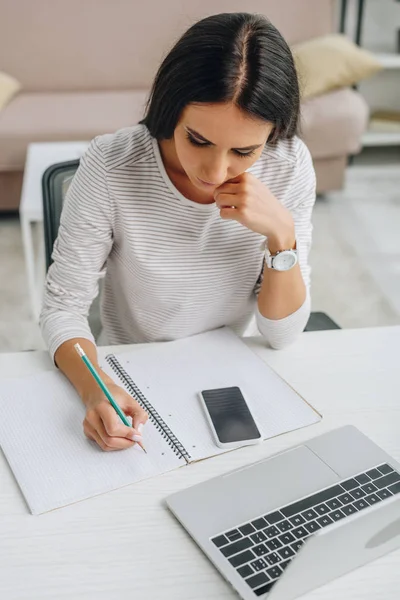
(80, 252)
(280, 333)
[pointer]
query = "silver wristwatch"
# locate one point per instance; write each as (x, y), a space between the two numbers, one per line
(283, 260)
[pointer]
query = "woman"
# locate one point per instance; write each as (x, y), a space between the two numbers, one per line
(197, 217)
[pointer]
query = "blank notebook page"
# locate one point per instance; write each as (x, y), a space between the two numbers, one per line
(42, 437)
(171, 376)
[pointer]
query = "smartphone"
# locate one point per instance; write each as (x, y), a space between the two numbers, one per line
(229, 417)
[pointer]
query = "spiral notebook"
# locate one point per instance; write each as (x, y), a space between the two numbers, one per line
(55, 464)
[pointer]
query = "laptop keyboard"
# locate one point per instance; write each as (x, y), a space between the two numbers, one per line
(261, 549)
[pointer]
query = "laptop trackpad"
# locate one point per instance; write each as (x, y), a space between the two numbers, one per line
(274, 482)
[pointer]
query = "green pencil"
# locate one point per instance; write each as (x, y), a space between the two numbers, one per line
(104, 388)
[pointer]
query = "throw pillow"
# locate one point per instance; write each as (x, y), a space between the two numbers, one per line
(330, 62)
(9, 87)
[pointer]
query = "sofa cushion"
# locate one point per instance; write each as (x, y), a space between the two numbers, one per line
(39, 117)
(332, 124)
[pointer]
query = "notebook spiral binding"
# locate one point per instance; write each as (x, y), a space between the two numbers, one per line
(154, 416)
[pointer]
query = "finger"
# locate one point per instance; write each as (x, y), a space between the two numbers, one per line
(92, 434)
(107, 442)
(230, 213)
(227, 188)
(108, 425)
(229, 201)
(111, 422)
(138, 414)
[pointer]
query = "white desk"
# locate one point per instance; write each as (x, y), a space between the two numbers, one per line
(125, 544)
(39, 157)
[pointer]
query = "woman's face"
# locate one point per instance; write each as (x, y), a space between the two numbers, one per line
(216, 142)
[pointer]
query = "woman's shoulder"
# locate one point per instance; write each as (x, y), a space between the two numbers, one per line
(126, 146)
(283, 161)
(288, 152)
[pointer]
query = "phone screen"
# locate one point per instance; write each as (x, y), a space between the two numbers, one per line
(231, 417)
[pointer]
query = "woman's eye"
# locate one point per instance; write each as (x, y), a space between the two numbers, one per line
(244, 154)
(195, 142)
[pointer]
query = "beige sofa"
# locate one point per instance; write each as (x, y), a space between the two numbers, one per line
(86, 68)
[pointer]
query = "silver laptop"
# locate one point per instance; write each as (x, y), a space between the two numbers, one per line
(292, 522)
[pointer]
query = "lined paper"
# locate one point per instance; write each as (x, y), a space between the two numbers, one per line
(42, 437)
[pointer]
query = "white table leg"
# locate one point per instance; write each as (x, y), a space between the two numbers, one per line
(29, 252)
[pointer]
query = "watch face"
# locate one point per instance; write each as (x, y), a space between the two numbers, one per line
(285, 260)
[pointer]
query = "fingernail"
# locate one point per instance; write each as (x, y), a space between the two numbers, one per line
(140, 427)
(137, 438)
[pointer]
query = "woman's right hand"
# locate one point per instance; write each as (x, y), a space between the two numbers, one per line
(103, 425)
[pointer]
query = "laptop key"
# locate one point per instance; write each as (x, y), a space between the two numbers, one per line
(287, 538)
(272, 558)
(312, 526)
(300, 532)
(372, 499)
(258, 537)
(360, 504)
(385, 469)
(257, 580)
(349, 509)
(271, 532)
(387, 480)
(374, 473)
(264, 589)
(286, 552)
(260, 550)
(259, 523)
(284, 526)
(245, 571)
(363, 478)
(309, 514)
(349, 484)
(334, 503)
(234, 535)
(337, 515)
(322, 509)
(369, 488)
(297, 520)
(395, 488)
(384, 494)
(358, 493)
(219, 541)
(345, 498)
(273, 544)
(258, 565)
(284, 564)
(247, 529)
(236, 547)
(274, 517)
(326, 520)
(274, 572)
(297, 545)
(241, 559)
(311, 501)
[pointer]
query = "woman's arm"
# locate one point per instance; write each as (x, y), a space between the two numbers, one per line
(80, 252)
(284, 303)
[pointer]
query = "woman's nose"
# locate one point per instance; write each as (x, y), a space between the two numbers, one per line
(215, 173)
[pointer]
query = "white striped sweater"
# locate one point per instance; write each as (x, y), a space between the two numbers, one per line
(172, 267)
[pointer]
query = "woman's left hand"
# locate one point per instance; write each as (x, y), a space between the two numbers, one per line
(247, 200)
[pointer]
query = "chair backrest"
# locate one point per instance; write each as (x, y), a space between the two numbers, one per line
(55, 183)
